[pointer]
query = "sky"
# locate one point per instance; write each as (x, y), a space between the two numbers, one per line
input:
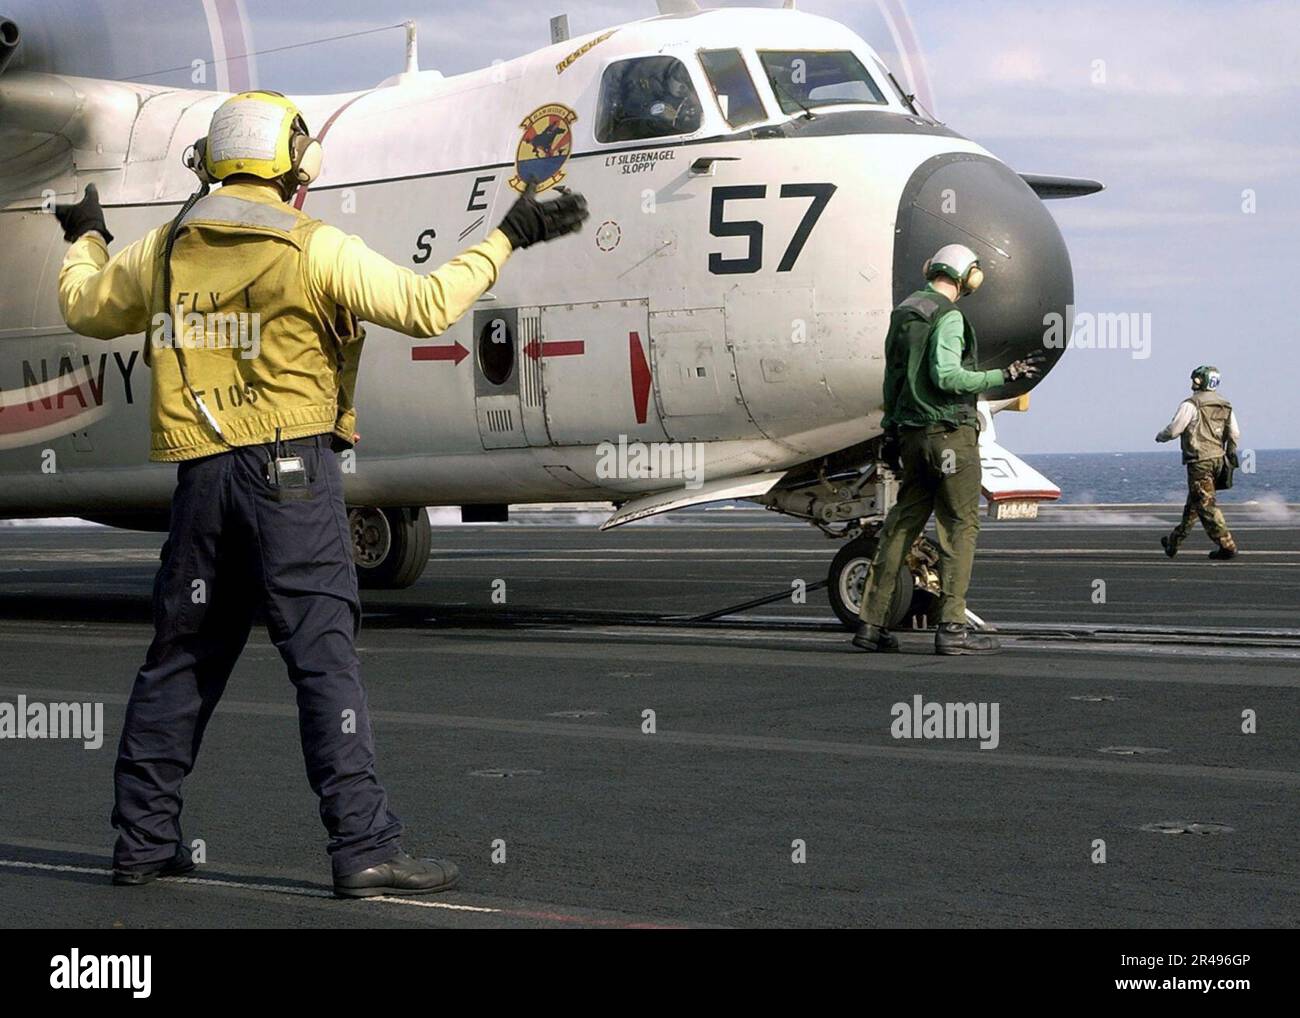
(1185, 109)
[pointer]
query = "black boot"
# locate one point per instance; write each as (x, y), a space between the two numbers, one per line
(399, 875)
(954, 638)
(875, 638)
(1169, 545)
(177, 865)
(1223, 553)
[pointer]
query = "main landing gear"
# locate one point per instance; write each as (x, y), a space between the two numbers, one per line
(389, 546)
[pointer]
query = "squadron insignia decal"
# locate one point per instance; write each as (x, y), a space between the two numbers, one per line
(544, 148)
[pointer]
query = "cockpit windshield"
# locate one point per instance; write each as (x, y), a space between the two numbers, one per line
(804, 79)
(648, 97)
(734, 88)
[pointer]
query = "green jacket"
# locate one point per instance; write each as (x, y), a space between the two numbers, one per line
(930, 357)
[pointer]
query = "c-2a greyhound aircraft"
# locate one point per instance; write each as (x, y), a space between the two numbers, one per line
(763, 192)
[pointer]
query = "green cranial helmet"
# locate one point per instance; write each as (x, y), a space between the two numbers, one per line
(1205, 378)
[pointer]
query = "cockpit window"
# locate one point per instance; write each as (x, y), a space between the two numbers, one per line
(737, 96)
(803, 79)
(648, 97)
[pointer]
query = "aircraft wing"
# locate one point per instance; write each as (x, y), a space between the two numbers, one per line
(69, 97)
(40, 115)
(52, 127)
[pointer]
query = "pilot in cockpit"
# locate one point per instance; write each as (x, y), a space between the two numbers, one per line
(654, 98)
(678, 108)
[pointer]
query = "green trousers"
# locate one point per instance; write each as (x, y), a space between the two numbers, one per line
(941, 475)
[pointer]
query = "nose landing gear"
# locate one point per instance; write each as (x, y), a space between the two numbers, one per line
(915, 590)
(851, 499)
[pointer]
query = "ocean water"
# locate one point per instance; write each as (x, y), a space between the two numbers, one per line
(1090, 478)
(1136, 477)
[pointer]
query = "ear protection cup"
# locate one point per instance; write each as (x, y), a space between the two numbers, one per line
(970, 282)
(307, 157)
(195, 160)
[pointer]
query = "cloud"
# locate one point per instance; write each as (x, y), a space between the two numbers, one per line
(1019, 66)
(1162, 48)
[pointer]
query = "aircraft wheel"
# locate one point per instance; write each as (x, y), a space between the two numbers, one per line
(848, 577)
(389, 546)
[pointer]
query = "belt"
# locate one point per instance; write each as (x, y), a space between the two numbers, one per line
(321, 441)
(937, 428)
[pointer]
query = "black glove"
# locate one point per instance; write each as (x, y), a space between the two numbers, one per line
(530, 221)
(1030, 367)
(891, 451)
(79, 219)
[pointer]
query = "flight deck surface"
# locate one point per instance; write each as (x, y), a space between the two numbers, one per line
(521, 726)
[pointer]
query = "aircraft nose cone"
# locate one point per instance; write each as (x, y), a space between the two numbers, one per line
(964, 198)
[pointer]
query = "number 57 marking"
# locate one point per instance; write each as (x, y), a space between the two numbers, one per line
(753, 228)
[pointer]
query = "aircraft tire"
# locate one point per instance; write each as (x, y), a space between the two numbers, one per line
(389, 546)
(847, 576)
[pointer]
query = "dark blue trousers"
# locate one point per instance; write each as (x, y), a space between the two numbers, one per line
(236, 545)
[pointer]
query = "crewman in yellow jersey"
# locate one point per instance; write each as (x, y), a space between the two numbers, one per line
(251, 310)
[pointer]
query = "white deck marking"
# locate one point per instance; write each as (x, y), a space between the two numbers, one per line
(302, 892)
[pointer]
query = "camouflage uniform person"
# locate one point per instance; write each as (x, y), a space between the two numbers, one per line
(931, 426)
(1207, 427)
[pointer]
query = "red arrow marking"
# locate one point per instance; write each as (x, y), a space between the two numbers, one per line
(556, 348)
(640, 376)
(454, 352)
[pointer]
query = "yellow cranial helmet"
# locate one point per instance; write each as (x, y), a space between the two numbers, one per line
(261, 134)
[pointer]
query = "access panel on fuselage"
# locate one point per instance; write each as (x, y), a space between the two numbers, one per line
(596, 381)
(695, 377)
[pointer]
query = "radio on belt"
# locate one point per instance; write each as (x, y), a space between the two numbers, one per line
(285, 471)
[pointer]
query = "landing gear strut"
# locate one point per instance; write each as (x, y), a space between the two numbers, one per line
(389, 546)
